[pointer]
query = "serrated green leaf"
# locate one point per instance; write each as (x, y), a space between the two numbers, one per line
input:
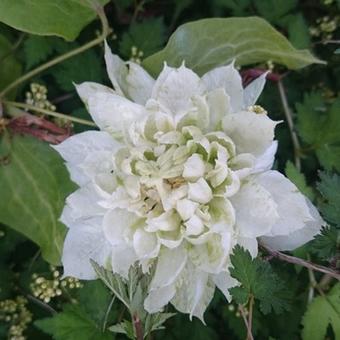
(208, 43)
(309, 113)
(321, 312)
(114, 282)
(319, 126)
(299, 180)
(153, 29)
(37, 49)
(327, 243)
(329, 187)
(72, 323)
(10, 68)
(34, 183)
(259, 280)
(63, 18)
(124, 327)
(155, 321)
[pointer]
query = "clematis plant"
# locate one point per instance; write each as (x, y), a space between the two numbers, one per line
(179, 173)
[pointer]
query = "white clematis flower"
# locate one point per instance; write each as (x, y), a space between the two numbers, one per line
(178, 174)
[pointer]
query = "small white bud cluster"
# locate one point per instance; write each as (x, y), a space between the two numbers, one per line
(325, 27)
(136, 55)
(15, 313)
(46, 289)
(37, 96)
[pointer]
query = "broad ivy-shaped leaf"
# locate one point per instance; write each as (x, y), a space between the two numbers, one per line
(63, 18)
(322, 312)
(34, 184)
(10, 69)
(208, 43)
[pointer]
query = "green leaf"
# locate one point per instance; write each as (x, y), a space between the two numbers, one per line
(273, 10)
(72, 323)
(329, 187)
(10, 69)
(258, 279)
(114, 282)
(63, 18)
(327, 243)
(84, 67)
(298, 31)
(319, 126)
(322, 312)
(34, 183)
(299, 179)
(124, 327)
(153, 29)
(309, 113)
(237, 7)
(37, 49)
(155, 321)
(208, 43)
(94, 298)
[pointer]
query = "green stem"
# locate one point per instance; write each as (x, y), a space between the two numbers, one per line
(50, 113)
(290, 122)
(108, 310)
(57, 60)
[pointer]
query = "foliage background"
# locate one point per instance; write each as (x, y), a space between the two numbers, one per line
(33, 181)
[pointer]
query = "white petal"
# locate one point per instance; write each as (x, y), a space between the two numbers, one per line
(194, 293)
(224, 282)
(253, 90)
(117, 70)
(118, 226)
(175, 87)
(88, 89)
(211, 255)
(265, 161)
(299, 220)
(251, 132)
(228, 78)
(249, 244)
(219, 106)
(167, 221)
(85, 241)
(123, 257)
(139, 84)
(77, 148)
(186, 208)
(200, 191)
(146, 244)
(170, 263)
(299, 237)
(194, 226)
(83, 203)
(221, 209)
(158, 298)
(114, 113)
(194, 167)
(256, 210)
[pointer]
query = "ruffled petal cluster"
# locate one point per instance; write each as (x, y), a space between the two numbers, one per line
(178, 174)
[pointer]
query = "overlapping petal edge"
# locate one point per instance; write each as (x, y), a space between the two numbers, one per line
(178, 174)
